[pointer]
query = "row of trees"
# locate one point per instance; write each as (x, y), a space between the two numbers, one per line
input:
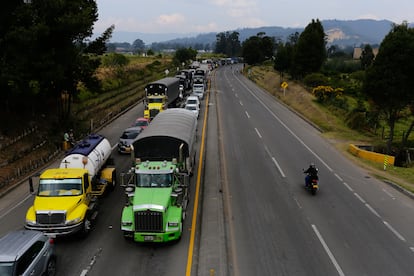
(302, 54)
(258, 48)
(46, 51)
(387, 78)
(228, 44)
(389, 81)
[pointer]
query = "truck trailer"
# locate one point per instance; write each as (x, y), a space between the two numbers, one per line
(157, 185)
(161, 95)
(66, 201)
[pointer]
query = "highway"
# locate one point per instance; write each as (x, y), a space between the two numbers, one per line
(355, 225)
(253, 215)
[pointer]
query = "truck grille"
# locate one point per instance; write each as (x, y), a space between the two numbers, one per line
(153, 112)
(148, 221)
(51, 218)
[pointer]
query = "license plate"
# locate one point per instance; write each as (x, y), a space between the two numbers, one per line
(148, 238)
(315, 186)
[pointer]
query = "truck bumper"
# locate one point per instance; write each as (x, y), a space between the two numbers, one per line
(153, 237)
(56, 231)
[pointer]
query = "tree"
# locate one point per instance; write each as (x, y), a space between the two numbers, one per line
(235, 46)
(138, 46)
(228, 44)
(44, 51)
(389, 81)
(221, 42)
(282, 59)
(310, 51)
(258, 48)
(251, 50)
(184, 55)
(367, 57)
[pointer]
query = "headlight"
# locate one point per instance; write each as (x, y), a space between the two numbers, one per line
(73, 221)
(31, 222)
(173, 224)
(126, 223)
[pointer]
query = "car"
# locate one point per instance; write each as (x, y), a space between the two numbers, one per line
(193, 100)
(194, 108)
(128, 137)
(198, 90)
(141, 122)
(27, 252)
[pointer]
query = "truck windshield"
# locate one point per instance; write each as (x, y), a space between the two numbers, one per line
(154, 180)
(6, 268)
(60, 187)
(155, 100)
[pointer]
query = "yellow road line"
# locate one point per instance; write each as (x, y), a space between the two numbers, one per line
(197, 192)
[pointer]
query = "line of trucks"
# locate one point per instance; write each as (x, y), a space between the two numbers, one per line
(167, 92)
(156, 186)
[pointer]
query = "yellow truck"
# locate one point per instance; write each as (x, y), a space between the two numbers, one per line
(160, 95)
(66, 200)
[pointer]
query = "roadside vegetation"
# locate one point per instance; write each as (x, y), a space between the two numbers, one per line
(367, 101)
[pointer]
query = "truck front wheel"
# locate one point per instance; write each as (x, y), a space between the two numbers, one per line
(86, 228)
(113, 184)
(128, 235)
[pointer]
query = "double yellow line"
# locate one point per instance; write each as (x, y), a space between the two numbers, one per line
(197, 191)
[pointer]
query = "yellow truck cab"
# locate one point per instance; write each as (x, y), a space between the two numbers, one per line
(66, 198)
(62, 203)
(160, 95)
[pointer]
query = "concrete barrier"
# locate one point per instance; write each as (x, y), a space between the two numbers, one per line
(372, 156)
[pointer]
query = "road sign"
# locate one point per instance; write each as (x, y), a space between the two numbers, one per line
(284, 85)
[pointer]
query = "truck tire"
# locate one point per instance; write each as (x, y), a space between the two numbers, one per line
(51, 267)
(114, 180)
(86, 228)
(127, 236)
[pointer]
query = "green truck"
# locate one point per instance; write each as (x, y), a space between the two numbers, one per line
(157, 185)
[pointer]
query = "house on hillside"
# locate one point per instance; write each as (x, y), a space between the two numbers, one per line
(358, 52)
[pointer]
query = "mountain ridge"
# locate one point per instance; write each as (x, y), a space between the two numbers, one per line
(339, 32)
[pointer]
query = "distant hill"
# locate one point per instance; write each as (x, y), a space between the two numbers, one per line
(339, 32)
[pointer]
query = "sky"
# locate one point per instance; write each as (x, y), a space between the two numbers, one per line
(204, 16)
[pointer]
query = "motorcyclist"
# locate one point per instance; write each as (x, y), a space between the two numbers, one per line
(311, 173)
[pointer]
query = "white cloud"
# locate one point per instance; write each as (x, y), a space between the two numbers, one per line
(254, 22)
(170, 19)
(237, 8)
(368, 16)
(210, 27)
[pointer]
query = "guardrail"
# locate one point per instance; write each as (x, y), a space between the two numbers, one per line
(370, 155)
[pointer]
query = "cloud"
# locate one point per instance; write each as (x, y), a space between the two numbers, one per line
(368, 16)
(210, 27)
(254, 22)
(170, 19)
(237, 8)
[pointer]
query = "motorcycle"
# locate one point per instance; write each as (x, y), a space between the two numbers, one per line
(312, 183)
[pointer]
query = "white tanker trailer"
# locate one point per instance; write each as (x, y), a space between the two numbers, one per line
(66, 198)
(93, 154)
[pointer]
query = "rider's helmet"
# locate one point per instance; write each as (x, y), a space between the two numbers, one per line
(312, 165)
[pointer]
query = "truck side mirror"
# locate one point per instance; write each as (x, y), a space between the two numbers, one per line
(31, 185)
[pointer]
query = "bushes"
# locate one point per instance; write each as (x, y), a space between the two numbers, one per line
(315, 79)
(325, 93)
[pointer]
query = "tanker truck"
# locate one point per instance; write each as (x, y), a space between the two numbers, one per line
(156, 187)
(160, 95)
(66, 201)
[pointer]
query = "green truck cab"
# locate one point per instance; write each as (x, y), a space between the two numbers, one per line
(157, 185)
